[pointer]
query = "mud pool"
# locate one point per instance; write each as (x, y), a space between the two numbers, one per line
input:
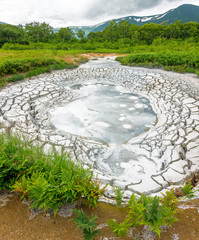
(105, 112)
(137, 128)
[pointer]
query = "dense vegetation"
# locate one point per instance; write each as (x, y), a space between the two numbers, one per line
(122, 33)
(174, 47)
(176, 61)
(48, 181)
(152, 211)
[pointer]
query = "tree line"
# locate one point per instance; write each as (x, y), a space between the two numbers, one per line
(124, 31)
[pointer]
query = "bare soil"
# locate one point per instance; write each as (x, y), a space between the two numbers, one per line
(74, 59)
(16, 223)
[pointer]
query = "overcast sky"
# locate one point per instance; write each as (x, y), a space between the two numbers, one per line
(64, 13)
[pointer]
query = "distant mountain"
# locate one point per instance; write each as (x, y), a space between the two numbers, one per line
(2, 23)
(186, 13)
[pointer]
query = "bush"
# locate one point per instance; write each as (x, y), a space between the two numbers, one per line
(35, 72)
(151, 211)
(118, 195)
(24, 65)
(48, 181)
(175, 61)
(86, 225)
(15, 78)
(2, 82)
(188, 190)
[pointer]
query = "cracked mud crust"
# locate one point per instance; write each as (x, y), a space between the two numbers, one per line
(157, 159)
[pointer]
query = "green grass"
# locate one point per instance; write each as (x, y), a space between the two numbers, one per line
(15, 78)
(172, 55)
(29, 67)
(171, 61)
(2, 82)
(26, 64)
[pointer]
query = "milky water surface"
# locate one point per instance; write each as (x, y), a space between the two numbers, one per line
(106, 112)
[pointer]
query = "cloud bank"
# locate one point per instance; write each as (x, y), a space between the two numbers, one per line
(60, 13)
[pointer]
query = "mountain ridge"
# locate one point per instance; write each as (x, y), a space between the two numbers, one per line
(185, 13)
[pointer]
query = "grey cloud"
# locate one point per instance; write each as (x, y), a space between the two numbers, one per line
(117, 7)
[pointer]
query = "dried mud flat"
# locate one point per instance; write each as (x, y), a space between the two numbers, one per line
(149, 163)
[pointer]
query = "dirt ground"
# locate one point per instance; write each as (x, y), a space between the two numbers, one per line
(75, 59)
(18, 223)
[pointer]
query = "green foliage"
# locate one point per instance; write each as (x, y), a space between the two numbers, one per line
(21, 186)
(65, 34)
(16, 159)
(188, 190)
(50, 68)
(82, 60)
(169, 200)
(39, 32)
(48, 181)
(122, 35)
(119, 229)
(136, 210)
(12, 34)
(2, 82)
(175, 61)
(24, 65)
(151, 211)
(15, 78)
(36, 71)
(80, 34)
(156, 215)
(118, 195)
(163, 58)
(86, 225)
(33, 67)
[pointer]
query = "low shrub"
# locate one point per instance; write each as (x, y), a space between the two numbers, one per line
(188, 190)
(15, 78)
(86, 225)
(2, 82)
(49, 181)
(174, 61)
(36, 71)
(50, 68)
(28, 64)
(118, 195)
(151, 211)
(32, 67)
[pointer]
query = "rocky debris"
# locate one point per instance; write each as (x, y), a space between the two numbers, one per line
(193, 178)
(5, 197)
(161, 157)
(178, 192)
